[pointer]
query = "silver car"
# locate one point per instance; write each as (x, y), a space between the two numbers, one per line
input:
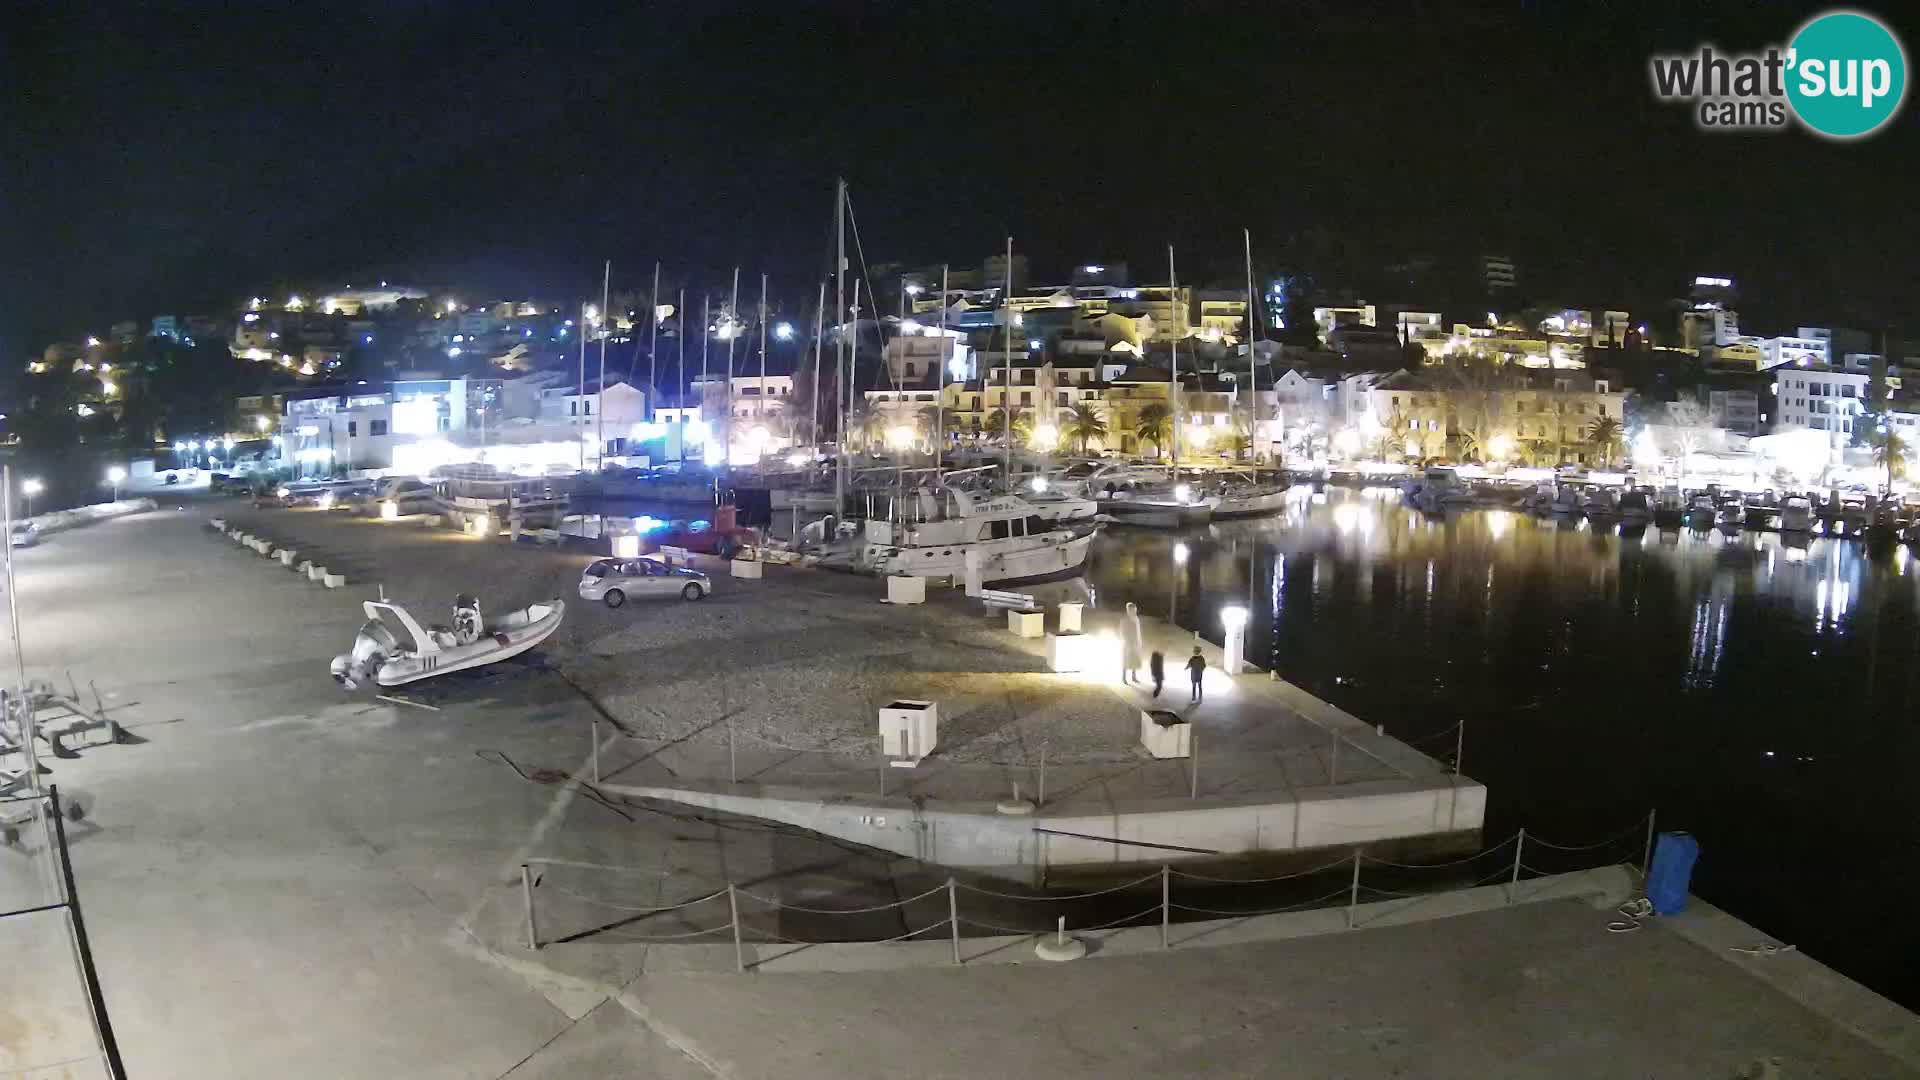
(611, 581)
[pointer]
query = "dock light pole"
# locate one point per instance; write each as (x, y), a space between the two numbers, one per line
(1234, 619)
(115, 475)
(30, 487)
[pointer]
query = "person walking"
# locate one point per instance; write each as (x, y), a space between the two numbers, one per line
(1131, 646)
(1196, 670)
(1157, 667)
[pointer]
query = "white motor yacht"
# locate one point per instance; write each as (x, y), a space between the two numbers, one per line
(1145, 495)
(1012, 539)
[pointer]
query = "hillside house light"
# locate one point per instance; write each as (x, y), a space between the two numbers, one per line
(93, 342)
(783, 332)
(1033, 343)
(454, 305)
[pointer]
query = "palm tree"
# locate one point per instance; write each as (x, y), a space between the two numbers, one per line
(1890, 453)
(1468, 442)
(1604, 435)
(1086, 424)
(997, 424)
(1154, 425)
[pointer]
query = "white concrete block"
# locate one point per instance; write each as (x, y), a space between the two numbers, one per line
(746, 568)
(1070, 616)
(906, 589)
(1070, 652)
(1027, 624)
(218, 523)
(909, 730)
(286, 556)
(303, 566)
(1165, 734)
(315, 573)
(676, 556)
(333, 581)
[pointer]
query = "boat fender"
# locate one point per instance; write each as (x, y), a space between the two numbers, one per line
(502, 640)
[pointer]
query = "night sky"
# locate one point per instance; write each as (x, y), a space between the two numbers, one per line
(164, 160)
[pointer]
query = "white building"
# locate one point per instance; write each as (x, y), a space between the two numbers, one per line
(1795, 350)
(1820, 399)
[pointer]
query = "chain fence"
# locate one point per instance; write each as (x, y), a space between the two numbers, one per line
(50, 986)
(1371, 889)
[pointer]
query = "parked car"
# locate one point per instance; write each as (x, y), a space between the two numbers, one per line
(25, 534)
(611, 581)
(407, 494)
(705, 538)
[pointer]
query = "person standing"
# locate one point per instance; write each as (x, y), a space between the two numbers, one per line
(1196, 670)
(1131, 645)
(1157, 667)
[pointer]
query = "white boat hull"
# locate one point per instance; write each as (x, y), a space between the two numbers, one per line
(1157, 515)
(508, 637)
(1004, 560)
(1251, 503)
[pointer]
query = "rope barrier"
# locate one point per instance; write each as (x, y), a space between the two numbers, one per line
(1301, 906)
(837, 911)
(1109, 925)
(1155, 876)
(1260, 880)
(722, 928)
(1003, 929)
(1364, 857)
(1636, 829)
(628, 907)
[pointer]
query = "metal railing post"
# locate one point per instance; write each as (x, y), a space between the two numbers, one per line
(733, 914)
(1519, 845)
(1646, 859)
(1460, 746)
(596, 748)
(733, 768)
(953, 916)
(1333, 762)
(1353, 890)
(1193, 765)
(526, 896)
(77, 933)
(1166, 901)
(1040, 796)
(881, 768)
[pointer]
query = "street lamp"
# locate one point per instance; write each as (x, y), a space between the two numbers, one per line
(114, 476)
(261, 423)
(30, 487)
(1234, 619)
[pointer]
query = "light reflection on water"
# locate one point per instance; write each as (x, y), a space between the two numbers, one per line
(1759, 690)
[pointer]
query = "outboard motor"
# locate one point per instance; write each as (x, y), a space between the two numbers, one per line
(467, 623)
(371, 647)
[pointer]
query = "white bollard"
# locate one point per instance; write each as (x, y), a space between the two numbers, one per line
(333, 581)
(1070, 616)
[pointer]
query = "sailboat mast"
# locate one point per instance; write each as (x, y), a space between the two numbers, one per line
(733, 331)
(840, 344)
(706, 337)
(1006, 392)
(653, 338)
(680, 312)
(853, 350)
(762, 407)
(813, 402)
(1173, 378)
(600, 395)
(940, 399)
(1253, 384)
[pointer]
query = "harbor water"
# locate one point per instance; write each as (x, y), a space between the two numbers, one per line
(1759, 691)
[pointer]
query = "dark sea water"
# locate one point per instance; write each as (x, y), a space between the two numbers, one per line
(1759, 692)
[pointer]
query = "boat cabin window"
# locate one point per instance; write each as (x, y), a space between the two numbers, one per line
(1036, 525)
(999, 530)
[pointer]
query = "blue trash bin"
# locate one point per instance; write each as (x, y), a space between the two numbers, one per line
(1671, 875)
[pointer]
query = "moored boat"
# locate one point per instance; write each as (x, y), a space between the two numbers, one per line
(380, 654)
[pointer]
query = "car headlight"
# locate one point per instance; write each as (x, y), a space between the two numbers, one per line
(283, 493)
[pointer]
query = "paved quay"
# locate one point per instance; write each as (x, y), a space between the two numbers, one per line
(281, 880)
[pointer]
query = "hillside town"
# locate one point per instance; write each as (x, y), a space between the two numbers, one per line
(1101, 362)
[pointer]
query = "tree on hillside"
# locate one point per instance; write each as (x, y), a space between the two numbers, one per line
(1085, 424)
(1155, 425)
(1604, 436)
